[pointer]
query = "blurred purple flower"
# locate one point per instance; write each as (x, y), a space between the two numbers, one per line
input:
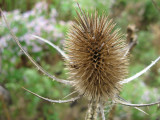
(13, 59)
(16, 12)
(38, 25)
(146, 96)
(3, 42)
(15, 30)
(27, 14)
(41, 21)
(49, 28)
(31, 24)
(40, 7)
(36, 48)
(62, 23)
(53, 13)
(57, 34)
(27, 38)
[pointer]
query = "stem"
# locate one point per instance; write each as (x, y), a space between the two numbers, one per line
(54, 101)
(92, 111)
(101, 106)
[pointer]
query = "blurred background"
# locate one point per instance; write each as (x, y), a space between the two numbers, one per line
(51, 19)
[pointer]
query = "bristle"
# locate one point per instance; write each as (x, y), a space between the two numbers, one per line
(96, 56)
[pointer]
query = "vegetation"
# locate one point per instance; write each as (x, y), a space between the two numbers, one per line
(51, 19)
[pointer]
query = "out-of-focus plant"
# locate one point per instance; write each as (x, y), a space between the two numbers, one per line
(23, 5)
(17, 71)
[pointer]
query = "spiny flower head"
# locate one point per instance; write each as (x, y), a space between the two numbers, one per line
(96, 52)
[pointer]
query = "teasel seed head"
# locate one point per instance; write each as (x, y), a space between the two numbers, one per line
(96, 56)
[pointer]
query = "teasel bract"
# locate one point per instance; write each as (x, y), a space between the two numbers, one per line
(97, 60)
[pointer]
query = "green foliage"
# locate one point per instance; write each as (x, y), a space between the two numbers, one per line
(151, 13)
(144, 50)
(17, 4)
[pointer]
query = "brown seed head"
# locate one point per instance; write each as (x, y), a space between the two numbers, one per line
(96, 56)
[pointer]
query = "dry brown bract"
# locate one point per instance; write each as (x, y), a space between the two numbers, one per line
(97, 61)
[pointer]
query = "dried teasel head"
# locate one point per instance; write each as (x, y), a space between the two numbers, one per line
(96, 56)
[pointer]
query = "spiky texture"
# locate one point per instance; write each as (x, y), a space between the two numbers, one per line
(96, 56)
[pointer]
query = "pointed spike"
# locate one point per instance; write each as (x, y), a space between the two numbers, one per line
(136, 105)
(140, 73)
(51, 44)
(53, 101)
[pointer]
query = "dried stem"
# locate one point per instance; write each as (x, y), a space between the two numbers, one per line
(136, 105)
(129, 47)
(92, 111)
(54, 46)
(140, 73)
(54, 101)
(70, 94)
(101, 106)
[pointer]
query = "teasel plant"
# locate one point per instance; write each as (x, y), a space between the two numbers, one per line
(97, 58)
